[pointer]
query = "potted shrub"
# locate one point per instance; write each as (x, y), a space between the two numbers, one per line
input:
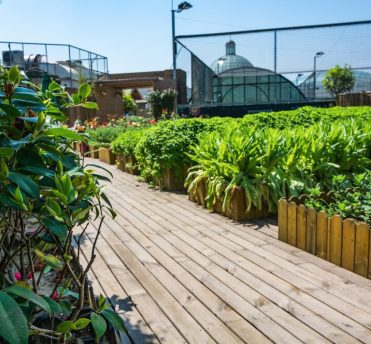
(46, 193)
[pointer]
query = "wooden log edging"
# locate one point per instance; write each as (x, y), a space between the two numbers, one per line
(236, 210)
(344, 242)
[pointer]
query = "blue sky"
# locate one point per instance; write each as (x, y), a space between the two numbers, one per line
(136, 35)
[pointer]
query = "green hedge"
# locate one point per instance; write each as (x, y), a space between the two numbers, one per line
(306, 116)
(126, 142)
(166, 146)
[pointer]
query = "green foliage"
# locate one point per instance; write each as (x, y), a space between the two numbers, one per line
(103, 136)
(351, 197)
(167, 144)
(271, 163)
(127, 141)
(129, 104)
(339, 80)
(161, 100)
(43, 184)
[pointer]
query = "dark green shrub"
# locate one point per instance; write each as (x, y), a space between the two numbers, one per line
(166, 146)
(126, 142)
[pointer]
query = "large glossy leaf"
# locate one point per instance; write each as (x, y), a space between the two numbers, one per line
(68, 134)
(90, 105)
(40, 171)
(55, 308)
(26, 184)
(57, 228)
(24, 90)
(9, 110)
(29, 119)
(115, 320)
(13, 326)
(6, 152)
(30, 157)
(28, 295)
(84, 91)
(99, 325)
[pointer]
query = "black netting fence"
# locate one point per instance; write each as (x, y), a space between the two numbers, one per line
(272, 66)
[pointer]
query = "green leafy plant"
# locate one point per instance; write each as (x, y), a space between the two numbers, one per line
(271, 163)
(161, 100)
(129, 104)
(126, 142)
(46, 192)
(165, 146)
(339, 80)
(350, 198)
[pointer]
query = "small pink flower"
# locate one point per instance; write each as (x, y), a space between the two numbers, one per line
(18, 276)
(55, 296)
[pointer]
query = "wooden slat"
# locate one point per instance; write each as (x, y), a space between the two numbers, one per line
(348, 244)
(362, 249)
(311, 231)
(301, 226)
(164, 240)
(282, 220)
(335, 242)
(321, 235)
(350, 326)
(291, 223)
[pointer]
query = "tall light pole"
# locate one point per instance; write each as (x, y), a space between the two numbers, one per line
(181, 7)
(318, 55)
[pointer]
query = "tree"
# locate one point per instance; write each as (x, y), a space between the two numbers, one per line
(339, 80)
(160, 101)
(129, 104)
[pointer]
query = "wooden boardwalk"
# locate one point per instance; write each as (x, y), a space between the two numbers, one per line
(179, 274)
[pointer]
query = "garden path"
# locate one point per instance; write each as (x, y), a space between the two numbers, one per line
(179, 274)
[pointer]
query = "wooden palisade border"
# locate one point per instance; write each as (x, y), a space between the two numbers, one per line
(344, 242)
(236, 210)
(106, 155)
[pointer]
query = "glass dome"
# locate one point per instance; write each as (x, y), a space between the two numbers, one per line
(230, 60)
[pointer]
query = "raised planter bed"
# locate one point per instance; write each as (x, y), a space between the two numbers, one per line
(344, 242)
(172, 180)
(127, 163)
(82, 147)
(94, 152)
(237, 205)
(106, 155)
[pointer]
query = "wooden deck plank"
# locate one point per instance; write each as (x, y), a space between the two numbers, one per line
(190, 330)
(325, 282)
(211, 301)
(213, 280)
(137, 328)
(206, 319)
(208, 252)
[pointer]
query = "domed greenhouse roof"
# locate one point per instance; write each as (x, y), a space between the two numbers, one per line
(230, 60)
